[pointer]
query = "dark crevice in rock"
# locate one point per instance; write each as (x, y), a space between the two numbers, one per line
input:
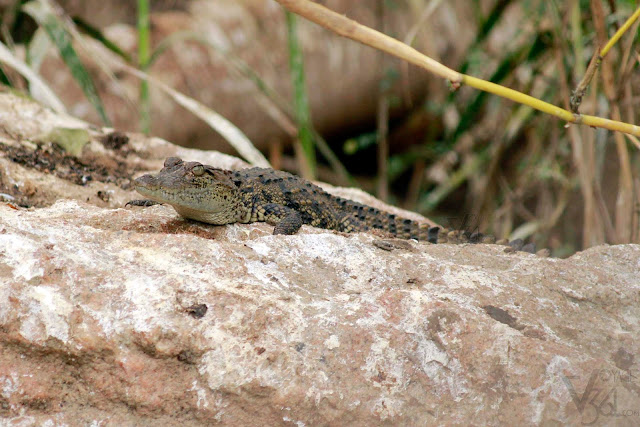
(502, 316)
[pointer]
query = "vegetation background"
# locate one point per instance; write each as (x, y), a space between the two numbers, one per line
(327, 107)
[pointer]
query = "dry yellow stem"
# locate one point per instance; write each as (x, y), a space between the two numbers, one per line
(351, 29)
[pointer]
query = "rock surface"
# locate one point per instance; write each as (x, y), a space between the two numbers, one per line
(112, 316)
(127, 317)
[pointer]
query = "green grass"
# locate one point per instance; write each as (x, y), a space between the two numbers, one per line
(46, 18)
(301, 100)
(144, 54)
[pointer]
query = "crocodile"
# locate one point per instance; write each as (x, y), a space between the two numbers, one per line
(218, 196)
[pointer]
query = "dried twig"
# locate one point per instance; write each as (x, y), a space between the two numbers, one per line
(599, 54)
(348, 28)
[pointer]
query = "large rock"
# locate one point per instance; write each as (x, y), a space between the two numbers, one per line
(134, 316)
(114, 316)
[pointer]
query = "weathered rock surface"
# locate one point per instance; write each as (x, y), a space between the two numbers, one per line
(114, 316)
(125, 317)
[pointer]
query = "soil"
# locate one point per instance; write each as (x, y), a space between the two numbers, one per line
(49, 158)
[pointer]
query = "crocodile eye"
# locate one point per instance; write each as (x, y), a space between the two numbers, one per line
(172, 161)
(197, 170)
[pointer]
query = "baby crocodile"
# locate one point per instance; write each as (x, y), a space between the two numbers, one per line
(218, 196)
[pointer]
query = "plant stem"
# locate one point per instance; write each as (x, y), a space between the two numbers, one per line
(300, 99)
(143, 63)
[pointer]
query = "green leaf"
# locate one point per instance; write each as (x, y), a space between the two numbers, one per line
(361, 142)
(55, 28)
(96, 34)
(70, 140)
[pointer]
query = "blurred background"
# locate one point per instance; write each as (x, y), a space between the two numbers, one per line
(331, 109)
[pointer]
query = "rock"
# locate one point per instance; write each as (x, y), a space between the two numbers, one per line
(114, 316)
(97, 325)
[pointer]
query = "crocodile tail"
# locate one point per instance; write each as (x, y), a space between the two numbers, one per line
(464, 236)
(371, 218)
(405, 228)
(409, 229)
(368, 218)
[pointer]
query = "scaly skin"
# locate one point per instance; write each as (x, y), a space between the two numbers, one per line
(218, 196)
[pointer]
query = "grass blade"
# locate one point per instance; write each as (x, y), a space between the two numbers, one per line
(144, 54)
(39, 88)
(96, 34)
(271, 102)
(301, 101)
(224, 127)
(37, 49)
(47, 19)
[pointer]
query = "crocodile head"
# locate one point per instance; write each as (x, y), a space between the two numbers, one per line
(195, 191)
